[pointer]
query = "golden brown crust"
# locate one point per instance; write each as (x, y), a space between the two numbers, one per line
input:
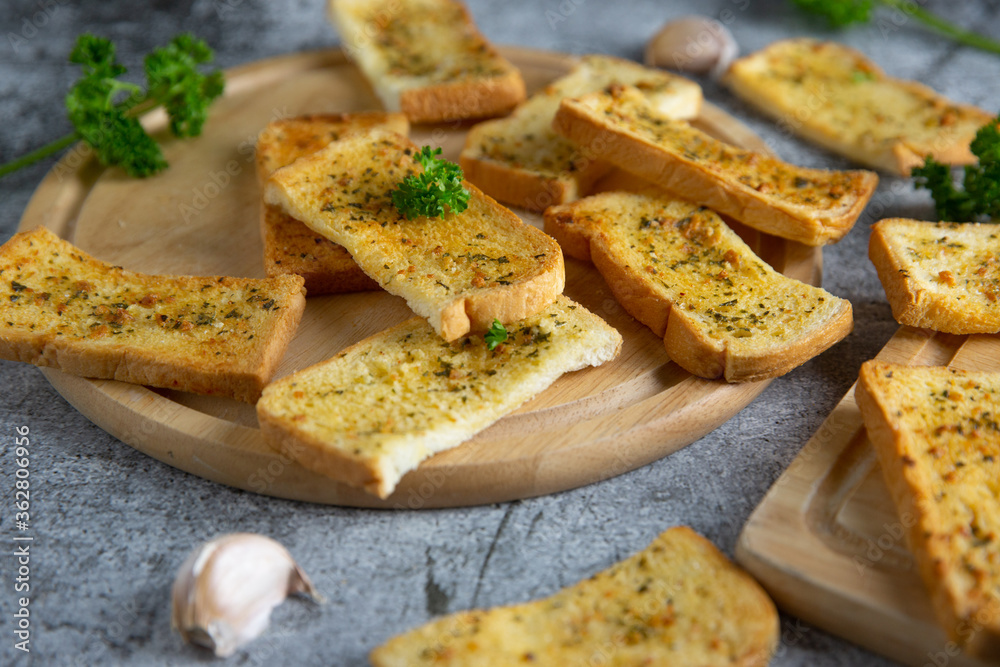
(526, 189)
(477, 98)
(943, 276)
(291, 248)
(427, 59)
(709, 181)
(677, 602)
(460, 270)
(855, 108)
(377, 409)
(722, 313)
(520, 161)
(936, 438)
(210, 335)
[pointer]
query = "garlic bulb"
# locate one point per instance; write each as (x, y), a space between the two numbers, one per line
(225, 590)
(694, 44)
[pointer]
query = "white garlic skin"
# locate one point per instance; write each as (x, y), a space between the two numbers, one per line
(693, 44)
(224, 592)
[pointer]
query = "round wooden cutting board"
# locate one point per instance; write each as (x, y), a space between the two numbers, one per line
(201, 217)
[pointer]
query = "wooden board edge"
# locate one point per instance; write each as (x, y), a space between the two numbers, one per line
(780, 518)
(56, 204)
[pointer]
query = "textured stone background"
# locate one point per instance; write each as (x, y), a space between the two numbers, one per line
(111, 525)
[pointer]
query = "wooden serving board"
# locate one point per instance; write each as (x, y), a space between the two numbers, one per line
(826, 541)
(200, 217)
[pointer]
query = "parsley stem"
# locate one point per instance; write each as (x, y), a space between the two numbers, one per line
(38, 154)
(960, 35)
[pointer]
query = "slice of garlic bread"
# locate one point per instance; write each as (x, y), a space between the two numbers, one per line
(812, 206)
(936, 434)
(680, 270)
(939, 275)
(427, 59)
(61, 308)
(289, 246)
(460, 271)
(679, 601)
(521, 161)
(377, 409)
(835, 96)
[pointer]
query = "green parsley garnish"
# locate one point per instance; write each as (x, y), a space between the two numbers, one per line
(979, 196)
(496, 335)
(105, 111)
(845, 12)
(428, 193)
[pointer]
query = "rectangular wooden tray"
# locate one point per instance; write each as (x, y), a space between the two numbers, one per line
(826, 541)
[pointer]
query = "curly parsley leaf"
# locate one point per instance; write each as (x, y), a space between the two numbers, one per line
(176, 84)
(979, 194)
(105, 110)
(840, 13)
(428, 193)
(496, 335)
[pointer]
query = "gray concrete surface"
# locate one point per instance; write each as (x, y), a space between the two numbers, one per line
(111, 526)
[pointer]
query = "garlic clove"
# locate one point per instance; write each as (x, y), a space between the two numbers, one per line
(224, 592)
(693, 44)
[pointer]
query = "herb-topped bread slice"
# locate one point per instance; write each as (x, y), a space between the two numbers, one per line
(63, 309)
(943, 276)
(289, 246)
(460, 271)
(521, 161)
(812, 206)
(855, 109)
(937, 435)
(678, 602)
(377, 409)
(427, 59)
(680, 270)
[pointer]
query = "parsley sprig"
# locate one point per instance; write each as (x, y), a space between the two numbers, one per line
(105, 110)
(845, 12)
(979, 196)
(427, 193)
(496, 335)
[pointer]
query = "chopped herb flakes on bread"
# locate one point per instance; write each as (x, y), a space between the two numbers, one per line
(938, 441)
(943, 276)
(377, 409)
(63, 309)
(460, 271)
(677, 602)
(521, 161)
(812, 206)
(835, 96)
(289, 246)
(680, 270)
(427, 59)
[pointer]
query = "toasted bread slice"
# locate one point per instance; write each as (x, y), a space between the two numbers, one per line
(380, 407)
(835, 96)
(289, 246)
(943, 276)
(812, 206)
(521, 161)
(427, 59)
(936, 434)
(680, 270)
(677, 602)
(63, 309)
(460, 271)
